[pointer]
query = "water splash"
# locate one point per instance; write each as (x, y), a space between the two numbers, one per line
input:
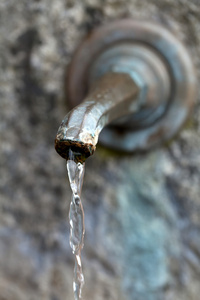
(76, 219)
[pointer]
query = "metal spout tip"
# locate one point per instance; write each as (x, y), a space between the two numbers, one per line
(81, 150)
(112, 96)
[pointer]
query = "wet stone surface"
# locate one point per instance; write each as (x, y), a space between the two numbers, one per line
(142, 212)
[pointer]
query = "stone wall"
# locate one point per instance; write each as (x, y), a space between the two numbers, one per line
(142, 212)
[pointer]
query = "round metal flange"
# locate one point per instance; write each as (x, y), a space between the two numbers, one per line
(180, 71)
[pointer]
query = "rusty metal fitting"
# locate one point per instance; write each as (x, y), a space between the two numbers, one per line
(157, 62)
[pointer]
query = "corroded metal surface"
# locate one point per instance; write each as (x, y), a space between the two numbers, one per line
(148, 70)
(112, 96)
(157, 125)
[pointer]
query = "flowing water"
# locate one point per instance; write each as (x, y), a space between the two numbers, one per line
(76, 219)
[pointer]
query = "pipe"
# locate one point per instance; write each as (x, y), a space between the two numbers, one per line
(140, 79)
(112, 96)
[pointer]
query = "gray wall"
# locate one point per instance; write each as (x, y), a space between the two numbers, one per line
(142, 212)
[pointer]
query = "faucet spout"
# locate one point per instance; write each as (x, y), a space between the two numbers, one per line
(112, 96)
(135, 76)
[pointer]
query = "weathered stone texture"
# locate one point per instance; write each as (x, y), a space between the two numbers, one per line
(142, 212)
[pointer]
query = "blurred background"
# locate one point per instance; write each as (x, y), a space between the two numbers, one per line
(142, 212)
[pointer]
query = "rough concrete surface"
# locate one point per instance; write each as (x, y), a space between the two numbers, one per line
(142, 212)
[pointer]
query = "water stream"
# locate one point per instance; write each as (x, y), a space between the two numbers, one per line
(76, 219)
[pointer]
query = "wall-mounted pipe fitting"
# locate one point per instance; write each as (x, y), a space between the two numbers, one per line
(159, 66)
